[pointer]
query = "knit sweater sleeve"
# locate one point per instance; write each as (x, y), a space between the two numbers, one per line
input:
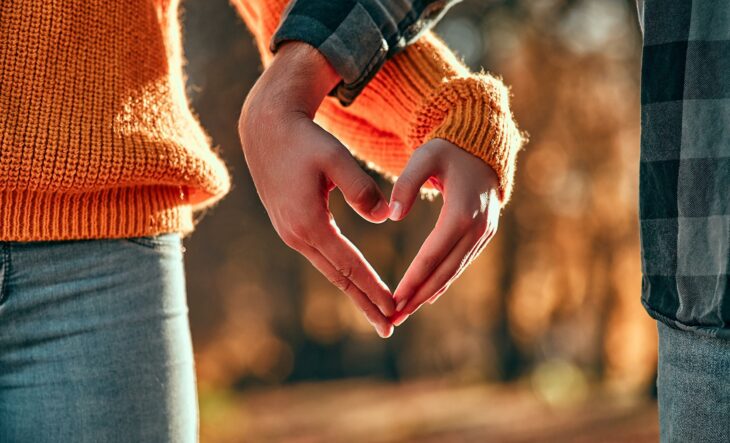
(420, 94)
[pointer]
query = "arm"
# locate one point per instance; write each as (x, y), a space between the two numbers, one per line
(422, 95)
(356, 36)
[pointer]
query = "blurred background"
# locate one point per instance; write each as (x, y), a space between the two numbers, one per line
(542, 339)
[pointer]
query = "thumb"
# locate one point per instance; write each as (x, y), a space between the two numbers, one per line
(405, 190)
(359, 189)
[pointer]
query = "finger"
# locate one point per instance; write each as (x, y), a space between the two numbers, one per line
(473, 254)
(439, 279)
(491, 228)
(359, 189)
(352, 267)
(381, 324)
(437, 295)
(438, 245)
(408, 185)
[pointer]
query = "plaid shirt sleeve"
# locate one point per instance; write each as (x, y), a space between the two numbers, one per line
(357, 36)
(684, 187)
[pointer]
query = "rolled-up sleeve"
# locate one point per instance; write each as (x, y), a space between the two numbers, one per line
(357, 36)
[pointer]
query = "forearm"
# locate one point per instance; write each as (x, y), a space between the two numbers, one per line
(425, 93)
(355, 36)
(358, 36)
(422, 93)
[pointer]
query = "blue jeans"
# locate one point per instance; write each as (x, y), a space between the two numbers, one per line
(95, 343)
(694, 387)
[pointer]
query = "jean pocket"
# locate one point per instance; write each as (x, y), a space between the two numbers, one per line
(169, 241)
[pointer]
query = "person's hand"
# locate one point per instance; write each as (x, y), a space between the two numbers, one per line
(295, 164)
(468, 220)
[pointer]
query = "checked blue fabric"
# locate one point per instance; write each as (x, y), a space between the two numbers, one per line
(684, 187)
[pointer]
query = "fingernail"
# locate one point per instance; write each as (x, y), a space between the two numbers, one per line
(380, 210)
(396, 211)
(401, 304)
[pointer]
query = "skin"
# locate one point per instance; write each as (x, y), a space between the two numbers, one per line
(467, 221)
(295, 165)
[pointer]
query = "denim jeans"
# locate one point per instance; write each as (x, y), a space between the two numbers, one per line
(694, 387)
(95, 343)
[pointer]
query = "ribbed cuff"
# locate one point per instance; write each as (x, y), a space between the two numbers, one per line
(109, 213)
(474, 114)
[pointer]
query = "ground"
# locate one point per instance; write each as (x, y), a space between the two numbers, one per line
(365, 411)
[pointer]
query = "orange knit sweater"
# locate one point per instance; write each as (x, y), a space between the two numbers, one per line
(97, 139)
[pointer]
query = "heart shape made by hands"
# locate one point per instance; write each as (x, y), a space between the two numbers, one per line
(467, 221)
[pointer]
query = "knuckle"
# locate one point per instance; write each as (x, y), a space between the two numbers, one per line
(450, 272)
(368, 310)
(345, 271)
(291, 239)
(370, 314)
(464, 222)
(301, 229)
(299, 232)
(407, 184)
(341, 279)
(342, 283)
(330, 155)
(385, 305)
(310, 228)
(365, 191)
(429, 263)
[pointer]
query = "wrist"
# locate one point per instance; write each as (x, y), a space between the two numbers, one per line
(298, 79)
(474, 114)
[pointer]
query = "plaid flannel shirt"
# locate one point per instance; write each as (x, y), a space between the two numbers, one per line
(685, 142)
(684, 188)
(357, 36)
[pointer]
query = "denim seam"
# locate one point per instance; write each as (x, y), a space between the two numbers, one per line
(148, 242)
(157, 242)
(6, 272)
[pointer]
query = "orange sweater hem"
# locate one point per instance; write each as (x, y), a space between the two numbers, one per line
(109, 213)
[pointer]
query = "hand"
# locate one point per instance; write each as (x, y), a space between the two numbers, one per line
(295, 164)
(468, 220)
